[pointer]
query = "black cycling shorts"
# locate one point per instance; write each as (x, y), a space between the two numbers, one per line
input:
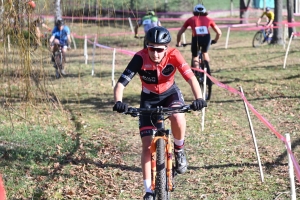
(200, 43)
(172, 96)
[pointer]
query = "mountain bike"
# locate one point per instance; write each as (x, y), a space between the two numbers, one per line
(206, 87)
(59, 60)
(162, 173)
(262, 36)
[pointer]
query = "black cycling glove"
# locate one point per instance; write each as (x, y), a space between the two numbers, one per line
(120, 107)
(213, 42)
(198, 104)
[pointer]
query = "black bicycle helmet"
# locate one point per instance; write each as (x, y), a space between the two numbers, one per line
(158, 35)
(59, 23)
(267, 8)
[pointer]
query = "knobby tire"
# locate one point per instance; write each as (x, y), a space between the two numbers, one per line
(58, 58)
(161, 188)
(258, 39)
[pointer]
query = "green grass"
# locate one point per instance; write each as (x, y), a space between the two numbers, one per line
(65, 142)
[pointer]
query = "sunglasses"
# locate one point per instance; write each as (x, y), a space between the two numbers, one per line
(158, 50)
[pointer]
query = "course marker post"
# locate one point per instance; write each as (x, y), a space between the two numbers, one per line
(85, 50)
(74, 42)
(254, 138)
(113, 68)
(204, 97)
(130, 23)
(8, 43)
(287, 50)
(291, 169)
(94, 52)
(227, 37)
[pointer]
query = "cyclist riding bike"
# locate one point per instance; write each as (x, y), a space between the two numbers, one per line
(156, 66)
(60, 37)
(148, 21)
(270, 15)
(201, 38)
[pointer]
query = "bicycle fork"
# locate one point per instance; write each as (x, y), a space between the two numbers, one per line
(169, 167)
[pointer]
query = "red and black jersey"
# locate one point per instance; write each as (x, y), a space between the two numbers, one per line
(156, 77)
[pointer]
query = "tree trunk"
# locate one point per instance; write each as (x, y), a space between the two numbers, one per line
(278, 30)
(57, 10)
(290, 9)
(244, 14)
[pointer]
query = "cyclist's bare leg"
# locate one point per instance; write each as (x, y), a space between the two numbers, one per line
(178, 125)
(205, 56)
(146, 157)
(196, 63)
(64, 52)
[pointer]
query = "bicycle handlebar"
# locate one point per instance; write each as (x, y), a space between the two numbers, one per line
(158, 110)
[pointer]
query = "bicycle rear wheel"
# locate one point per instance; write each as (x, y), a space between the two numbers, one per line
(161, 188)
(258, 39)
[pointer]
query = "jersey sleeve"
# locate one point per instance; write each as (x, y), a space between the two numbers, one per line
(182, 66)
(212, 23)
(132, 68)
(67, 30)
(186, 23)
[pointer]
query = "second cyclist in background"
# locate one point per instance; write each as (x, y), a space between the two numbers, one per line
(60, 37)
(36, 26)
(150, 20)
(270, 15)
(201, 38)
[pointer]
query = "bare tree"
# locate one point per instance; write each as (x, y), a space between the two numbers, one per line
(290, 9)
(57, 10)
(278, 30)
(244, 14)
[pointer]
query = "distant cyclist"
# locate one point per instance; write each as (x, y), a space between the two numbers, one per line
(36, 29)
(60, 37)
(270, 15)
(150, 20)
(201, 38)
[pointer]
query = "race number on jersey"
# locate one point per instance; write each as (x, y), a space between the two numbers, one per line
(200, 30)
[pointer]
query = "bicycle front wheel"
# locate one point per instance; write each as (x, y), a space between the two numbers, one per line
(161, 188)
(258, 39)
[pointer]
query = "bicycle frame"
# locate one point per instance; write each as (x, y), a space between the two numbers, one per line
(58, 60)
(160, 148)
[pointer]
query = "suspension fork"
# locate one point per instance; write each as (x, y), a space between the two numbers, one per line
(161, 133)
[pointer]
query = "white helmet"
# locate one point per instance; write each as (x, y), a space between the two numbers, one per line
(199, 9)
